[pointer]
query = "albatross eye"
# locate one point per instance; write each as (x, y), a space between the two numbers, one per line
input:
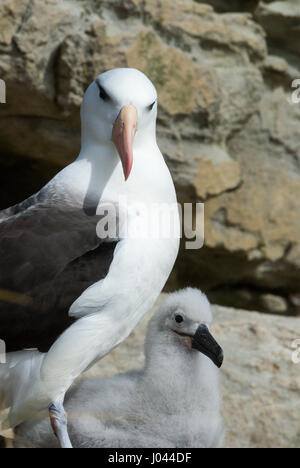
(151, 106)
(178, 318)
(103, 94)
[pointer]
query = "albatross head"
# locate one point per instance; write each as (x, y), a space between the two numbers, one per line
(117, 107)
(183, 320)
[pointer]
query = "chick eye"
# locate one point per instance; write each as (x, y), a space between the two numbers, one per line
(103, 94)
(178, 318)
(151, 106)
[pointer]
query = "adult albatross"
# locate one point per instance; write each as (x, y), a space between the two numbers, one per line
(68, 297)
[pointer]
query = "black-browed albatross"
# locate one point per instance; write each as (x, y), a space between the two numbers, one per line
(68, 295)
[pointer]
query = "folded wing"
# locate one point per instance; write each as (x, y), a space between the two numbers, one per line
(49, 254)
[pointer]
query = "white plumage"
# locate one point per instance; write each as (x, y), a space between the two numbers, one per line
(46, 239)
(173, 402)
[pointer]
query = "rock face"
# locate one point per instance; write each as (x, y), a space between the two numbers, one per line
(260, 382)
(281, 19)
(226, 124)
(232, 5)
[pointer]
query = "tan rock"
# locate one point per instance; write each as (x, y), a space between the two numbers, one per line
(10, 10)
(274, 304)
(281, 19)
(217, 172)
(226, 126)
(180, 83)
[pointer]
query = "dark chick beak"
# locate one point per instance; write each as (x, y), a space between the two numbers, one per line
(204, 342)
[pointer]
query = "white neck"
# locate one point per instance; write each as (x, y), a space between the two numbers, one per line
(189, 375)
(149, 180)
(93, 145)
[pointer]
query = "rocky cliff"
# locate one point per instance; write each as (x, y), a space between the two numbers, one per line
(226, 125)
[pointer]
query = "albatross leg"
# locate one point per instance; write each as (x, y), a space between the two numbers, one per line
(58, 419)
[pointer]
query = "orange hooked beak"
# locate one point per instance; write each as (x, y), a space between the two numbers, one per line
(123, 135)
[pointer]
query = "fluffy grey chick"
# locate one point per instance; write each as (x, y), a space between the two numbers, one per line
(173, 402)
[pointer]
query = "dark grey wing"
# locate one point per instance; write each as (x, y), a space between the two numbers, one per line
(49, 254)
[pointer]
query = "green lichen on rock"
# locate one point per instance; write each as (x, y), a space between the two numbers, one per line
(172, 72)
(149, 52)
